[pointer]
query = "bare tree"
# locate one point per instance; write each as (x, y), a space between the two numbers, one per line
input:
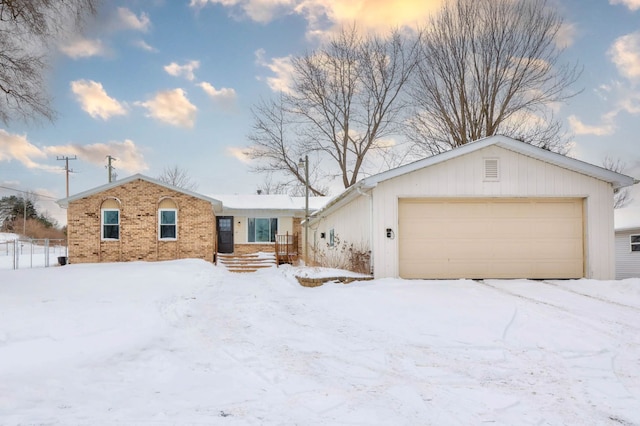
(621, 196)
(28, 29)
(490, 67)
(345, 98)
(178, 177)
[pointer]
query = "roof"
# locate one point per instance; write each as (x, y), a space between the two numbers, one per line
(617, 180)
(627, 219)
(269, 202)
(232, 202)
(65, 201)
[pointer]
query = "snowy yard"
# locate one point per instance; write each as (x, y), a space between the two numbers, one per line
(186, 342)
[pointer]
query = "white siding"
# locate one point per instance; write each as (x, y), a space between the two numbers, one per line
(351, 224)
(627, 262)
(520, 176)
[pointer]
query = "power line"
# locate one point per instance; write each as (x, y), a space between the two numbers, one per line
(29, 192)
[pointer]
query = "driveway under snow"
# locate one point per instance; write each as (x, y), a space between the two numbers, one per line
(186, 342)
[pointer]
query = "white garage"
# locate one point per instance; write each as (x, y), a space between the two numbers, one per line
(494, 208)
(495, 237)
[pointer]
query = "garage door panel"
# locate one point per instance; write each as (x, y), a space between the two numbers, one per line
(556, 229)
(544, 249)
(489, 238)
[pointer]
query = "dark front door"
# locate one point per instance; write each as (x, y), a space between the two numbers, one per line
(225, 234)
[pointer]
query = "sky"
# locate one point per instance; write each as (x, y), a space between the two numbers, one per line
(160, 83)
(187, 342)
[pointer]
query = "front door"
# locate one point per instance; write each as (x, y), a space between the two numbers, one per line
(225, 234)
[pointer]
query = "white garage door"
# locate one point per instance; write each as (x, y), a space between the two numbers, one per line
(491, 238)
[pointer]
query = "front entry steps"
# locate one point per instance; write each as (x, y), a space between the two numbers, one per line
(247, 262)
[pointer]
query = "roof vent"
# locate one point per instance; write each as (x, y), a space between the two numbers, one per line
(491, 169)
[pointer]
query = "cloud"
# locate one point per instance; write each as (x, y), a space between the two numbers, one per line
(144, 45)
(630, 103)
(128, 20)
(377, 15)
(579, 128)
(239, 154)
(172, 107)
(281, 67)
(185, 70)
(322, 15)
(128, 156)
(95, 101)
(83, 48)
(257, 10)
(566, 35)
(17, 147)
(224, 96)
(625, 54)
(631, 4)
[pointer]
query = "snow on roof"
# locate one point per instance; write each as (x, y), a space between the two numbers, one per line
(627, 218)
(617, 180)
(64, 202)
(234, 202)
(269, 202)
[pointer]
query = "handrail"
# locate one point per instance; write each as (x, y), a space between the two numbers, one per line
(286, 247)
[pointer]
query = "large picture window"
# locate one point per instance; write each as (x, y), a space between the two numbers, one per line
(168, 224)
(110, 224)
(635, 242)
(263, 230)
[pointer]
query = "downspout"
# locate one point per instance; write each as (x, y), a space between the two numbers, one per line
(370, 197)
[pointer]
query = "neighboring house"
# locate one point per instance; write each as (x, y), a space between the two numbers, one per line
(141, 218)
(628, 253)
(494, 208)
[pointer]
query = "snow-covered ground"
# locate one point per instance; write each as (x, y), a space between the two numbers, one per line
(31, 253)
(186, 342)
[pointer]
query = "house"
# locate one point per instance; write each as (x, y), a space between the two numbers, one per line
(141, 218)
(628, 253)
(627, 242)
(494, 208)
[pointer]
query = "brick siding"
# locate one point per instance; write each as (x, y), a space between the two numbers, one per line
(139, 201)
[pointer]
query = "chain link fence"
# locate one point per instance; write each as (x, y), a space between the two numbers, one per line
(32, 253)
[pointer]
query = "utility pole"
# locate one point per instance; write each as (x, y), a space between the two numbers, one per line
(111, 168)
(66, 167)
(305, 162)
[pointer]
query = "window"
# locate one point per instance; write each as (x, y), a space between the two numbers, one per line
(110, 224)
(332, 238)
(635, 242)
(168, 224)
(262, 230)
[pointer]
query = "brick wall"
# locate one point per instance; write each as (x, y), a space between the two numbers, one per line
(139, 201)
(254, 248)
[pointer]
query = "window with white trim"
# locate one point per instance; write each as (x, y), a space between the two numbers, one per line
(168, 224)
(110, 226)
(262, 230)
(332, 238)
(635, 242)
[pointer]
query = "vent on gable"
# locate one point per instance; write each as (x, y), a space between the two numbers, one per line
(491, 169)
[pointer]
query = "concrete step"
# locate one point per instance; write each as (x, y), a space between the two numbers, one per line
(246, 262)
